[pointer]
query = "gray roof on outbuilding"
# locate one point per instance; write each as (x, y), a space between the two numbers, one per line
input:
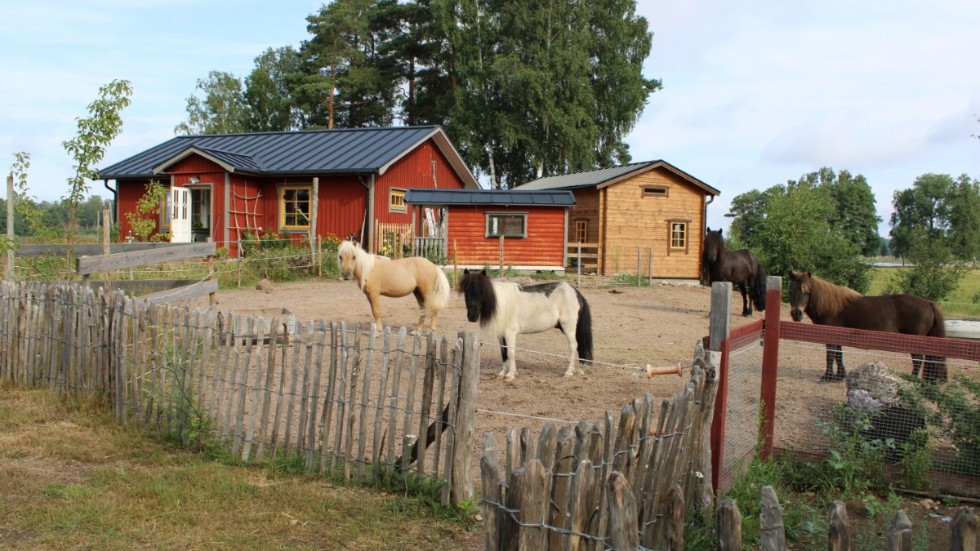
(510, 197)
(608, 176)
(338, 151)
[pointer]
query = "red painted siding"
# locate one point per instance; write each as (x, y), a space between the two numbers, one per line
(253, 201)
(544, 245)
(425, 167)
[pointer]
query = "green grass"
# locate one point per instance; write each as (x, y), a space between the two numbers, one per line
(964, 302)
(73, 479)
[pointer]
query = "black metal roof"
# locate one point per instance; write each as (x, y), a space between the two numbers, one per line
(607, 176)
(339, 151)
(510, 197)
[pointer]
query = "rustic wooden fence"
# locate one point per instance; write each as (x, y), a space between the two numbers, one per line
(614, 486)
(346, 401)
(898, 535)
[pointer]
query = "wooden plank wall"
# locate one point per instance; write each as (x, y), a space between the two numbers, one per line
(345, 400)
(633, 221)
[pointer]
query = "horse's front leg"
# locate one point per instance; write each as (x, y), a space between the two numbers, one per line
(834, 355)
(916, 364)
(746, 303)
(509, 370)
(375, 300)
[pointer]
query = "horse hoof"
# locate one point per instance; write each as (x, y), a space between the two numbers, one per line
(508, 378)
(569, 374)
(826, 378)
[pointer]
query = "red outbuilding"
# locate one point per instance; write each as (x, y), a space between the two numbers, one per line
(224, 187)
(521, 230)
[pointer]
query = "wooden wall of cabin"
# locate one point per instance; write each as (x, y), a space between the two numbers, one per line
(544, 245)
(634, 221)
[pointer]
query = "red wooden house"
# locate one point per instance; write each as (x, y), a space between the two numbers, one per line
(349, 180)
(475, 226)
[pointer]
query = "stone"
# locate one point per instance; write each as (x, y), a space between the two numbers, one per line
(264, 285)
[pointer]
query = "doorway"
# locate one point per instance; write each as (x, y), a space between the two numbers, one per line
(201, 216)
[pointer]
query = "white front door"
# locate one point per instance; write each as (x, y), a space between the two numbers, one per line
(180, 215)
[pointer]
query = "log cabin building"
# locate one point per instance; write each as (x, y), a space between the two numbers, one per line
(652, 208)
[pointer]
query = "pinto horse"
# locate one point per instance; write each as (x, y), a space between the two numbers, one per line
(381, 276)
(740, 267)
(828, 304)
(505, 309)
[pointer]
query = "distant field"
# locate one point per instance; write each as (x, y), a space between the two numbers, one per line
(964, 302)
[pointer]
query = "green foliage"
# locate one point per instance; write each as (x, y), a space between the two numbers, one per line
(954, 410)
(174, 395)
(221, 110)
(917, 455)
(88, 147)
(938, 208)
(143, 220)
(933, 275)
(855, 460)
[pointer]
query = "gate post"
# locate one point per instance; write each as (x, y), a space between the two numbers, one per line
(461, 487)
(770, 363)
(721, 305)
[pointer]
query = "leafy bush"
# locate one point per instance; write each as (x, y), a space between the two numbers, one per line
(954, 411)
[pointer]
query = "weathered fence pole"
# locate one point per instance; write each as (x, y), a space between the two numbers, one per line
(729, 520)
(839, 533)
(720, 319)
(964, 531)
(10, 227)
(460, 482)
(898, 537)
(770, 358)
(772, 532)
(624, 534)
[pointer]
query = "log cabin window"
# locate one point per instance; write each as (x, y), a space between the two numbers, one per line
(581, 231)
(294, 207)
(678, 235)
(654, 191)
(506, 224)
(396, 201)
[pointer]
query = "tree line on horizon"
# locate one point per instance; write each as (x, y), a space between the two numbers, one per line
(826, 222)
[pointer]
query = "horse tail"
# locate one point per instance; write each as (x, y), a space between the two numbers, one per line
(759, 287)
(583, 329)
(439, 297)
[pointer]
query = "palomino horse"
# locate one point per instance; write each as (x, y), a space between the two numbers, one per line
(829, 304)
(381, 276)
(505, 309)
(740, 267)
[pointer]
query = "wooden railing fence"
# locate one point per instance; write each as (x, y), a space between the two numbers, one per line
(348, 401)
(614, 486)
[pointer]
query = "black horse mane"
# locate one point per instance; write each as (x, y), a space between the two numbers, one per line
(478, 284)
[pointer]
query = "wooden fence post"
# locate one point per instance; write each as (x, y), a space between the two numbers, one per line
(729, 520)
(770, 358)
(501, 273)
(772, 532)
(461, 487)
(964, 531)
(10, 227)
(623, 531)
(720, 319)
(898, 537)
(839, 533)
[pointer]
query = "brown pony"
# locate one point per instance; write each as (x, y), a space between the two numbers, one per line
(829, 304)
(381, 276)
(741, 267)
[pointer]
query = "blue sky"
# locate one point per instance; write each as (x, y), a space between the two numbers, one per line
(755, 93)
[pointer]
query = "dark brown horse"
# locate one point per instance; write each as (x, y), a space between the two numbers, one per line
(741, 267)
(829, 304)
